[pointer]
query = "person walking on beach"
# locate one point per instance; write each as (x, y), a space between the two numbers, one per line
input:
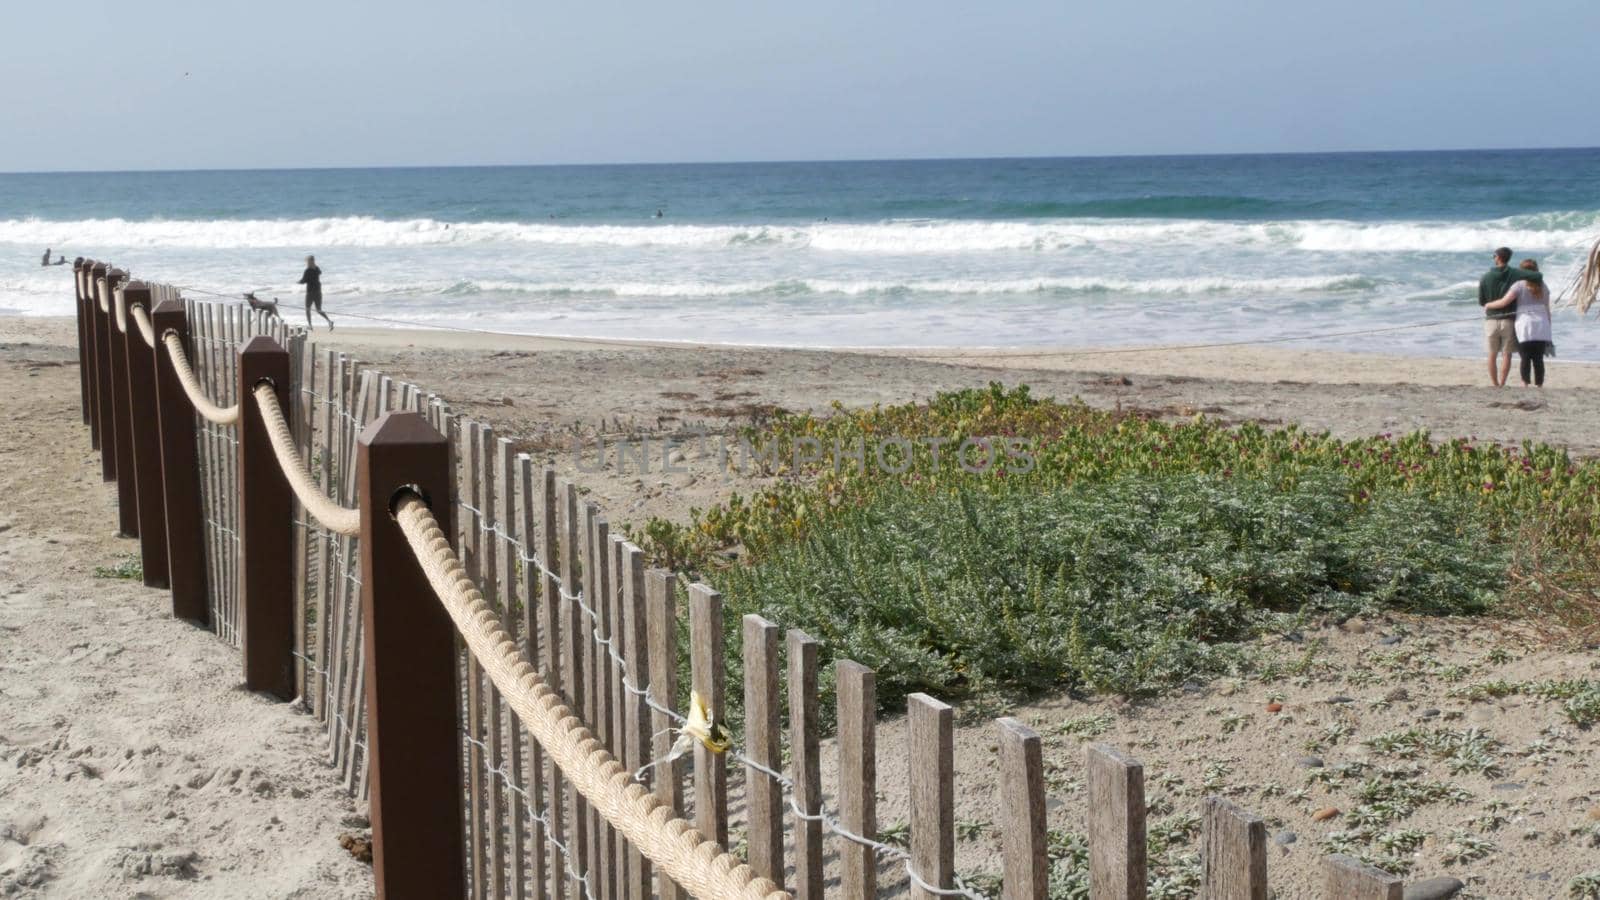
(312, 279)
(1531, 300)
(1498, 329)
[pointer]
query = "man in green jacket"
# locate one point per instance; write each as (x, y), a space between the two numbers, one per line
(1498, 324)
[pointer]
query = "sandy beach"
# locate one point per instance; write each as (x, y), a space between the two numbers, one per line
(131, 763)
(555, 394)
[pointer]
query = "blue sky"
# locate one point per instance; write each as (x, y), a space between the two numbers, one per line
(404, 82)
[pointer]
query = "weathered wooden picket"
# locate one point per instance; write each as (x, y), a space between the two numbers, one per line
(599, 626)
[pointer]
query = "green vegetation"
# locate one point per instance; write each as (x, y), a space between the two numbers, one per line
(1174, 867)
(1580, 698)
(1127, 586)
(128, 567)
(1115, 552)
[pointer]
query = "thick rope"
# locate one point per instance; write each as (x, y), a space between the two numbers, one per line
(700, 866)
(335, 518)
(142, 319)
(191, 386)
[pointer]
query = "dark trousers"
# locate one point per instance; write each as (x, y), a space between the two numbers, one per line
(1533, 358)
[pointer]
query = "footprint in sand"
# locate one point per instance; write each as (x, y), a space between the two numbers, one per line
(92, 653)
(199, 780)
(27, 858)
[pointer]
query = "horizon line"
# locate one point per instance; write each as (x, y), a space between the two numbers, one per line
(823, 161)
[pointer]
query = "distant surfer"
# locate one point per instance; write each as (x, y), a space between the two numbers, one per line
(270, 307)
(312, 279)
(60, 260)
(659, 214)
(46, 260)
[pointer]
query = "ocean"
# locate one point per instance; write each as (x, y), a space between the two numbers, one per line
(994, 252)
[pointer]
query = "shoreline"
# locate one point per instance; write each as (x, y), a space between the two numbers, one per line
(1246, 362)
(1266, 360)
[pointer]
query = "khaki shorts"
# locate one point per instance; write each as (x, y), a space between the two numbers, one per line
(1500, 335)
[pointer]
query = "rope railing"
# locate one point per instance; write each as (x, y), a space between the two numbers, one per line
(191, 386)
(334, 517)
(886, 853)
(699, 865)
(146, 330)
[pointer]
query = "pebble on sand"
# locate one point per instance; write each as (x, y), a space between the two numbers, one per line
(1434, 888)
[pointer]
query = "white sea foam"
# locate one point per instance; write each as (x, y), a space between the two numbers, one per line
(1539, 232)
(890, 288)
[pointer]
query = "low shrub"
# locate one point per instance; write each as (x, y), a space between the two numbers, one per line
(1124, 553)
(1125, 586)
(1069, 443)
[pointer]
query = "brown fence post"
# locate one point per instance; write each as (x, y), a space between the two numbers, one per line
(103, 326)
(1233, 853)
(1116, 825)
(91, 350)
(121, 411)
(266, 529)
(931, 730)
(1022, 836)
(180, 473)
(764, 744)
(83, 343)
(146, 437)
(411, 684)
(707, 671)
(856, 692)
(661, 597)
(1351, 879)
(806, 764)
(636, 641)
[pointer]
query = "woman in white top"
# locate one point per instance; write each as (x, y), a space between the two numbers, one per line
(1533, 323)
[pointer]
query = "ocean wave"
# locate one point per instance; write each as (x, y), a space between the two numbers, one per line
(888, 288)
(1152, 206)
(1538, 232)
(365, 231)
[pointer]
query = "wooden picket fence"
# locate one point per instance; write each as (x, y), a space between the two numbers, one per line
(480, 810)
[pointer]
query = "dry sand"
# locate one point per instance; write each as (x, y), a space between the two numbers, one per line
(174, 682)
(132, 762)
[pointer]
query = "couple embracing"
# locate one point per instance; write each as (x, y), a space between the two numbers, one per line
(1516, 303)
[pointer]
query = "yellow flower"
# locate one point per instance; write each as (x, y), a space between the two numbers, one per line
(701, 727)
